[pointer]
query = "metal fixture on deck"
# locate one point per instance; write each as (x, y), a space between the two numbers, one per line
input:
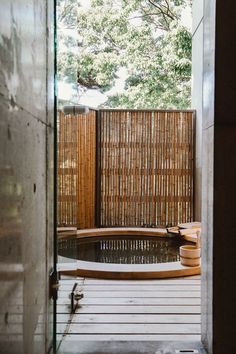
(54, 285)
(75, 295)
(188, 351)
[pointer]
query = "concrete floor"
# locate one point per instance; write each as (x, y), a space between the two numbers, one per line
(143, 347)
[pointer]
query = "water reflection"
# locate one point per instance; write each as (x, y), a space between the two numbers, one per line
(122, 249)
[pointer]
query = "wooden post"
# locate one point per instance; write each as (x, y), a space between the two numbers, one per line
(98, 170)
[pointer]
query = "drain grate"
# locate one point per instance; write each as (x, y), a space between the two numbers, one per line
(186, 351)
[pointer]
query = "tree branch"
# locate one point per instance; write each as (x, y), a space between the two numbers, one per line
(164, 9)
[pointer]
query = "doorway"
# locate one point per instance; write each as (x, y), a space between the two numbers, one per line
(82, 279)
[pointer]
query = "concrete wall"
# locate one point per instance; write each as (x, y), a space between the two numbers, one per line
(197, 77)
(26, 136)
(219, 192)
(208, 174)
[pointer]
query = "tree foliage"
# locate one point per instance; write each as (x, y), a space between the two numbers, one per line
(67, 44)
(146, 37)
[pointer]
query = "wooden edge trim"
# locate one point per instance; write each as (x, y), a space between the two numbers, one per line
(122, 231)
(132, 275)
(116, 231)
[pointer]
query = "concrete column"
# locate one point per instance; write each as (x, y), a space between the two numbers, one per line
(219, 163)
(197, 78)
(26, 166)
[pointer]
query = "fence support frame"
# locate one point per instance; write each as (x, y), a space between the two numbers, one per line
(98, 170)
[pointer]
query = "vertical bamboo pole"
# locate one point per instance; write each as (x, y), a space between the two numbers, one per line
(98, 197)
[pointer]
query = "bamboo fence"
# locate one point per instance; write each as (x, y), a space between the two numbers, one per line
(146, 167)
(125, 168)
(76, 170)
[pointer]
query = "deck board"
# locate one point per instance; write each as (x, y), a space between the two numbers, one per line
(131, 328)
(128, 338)
(130, 318)
(136, 294)
(151, 310)
(107, 309)
(136, 287)
(136, 301)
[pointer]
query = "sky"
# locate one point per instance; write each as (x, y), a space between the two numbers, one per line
(94, 98)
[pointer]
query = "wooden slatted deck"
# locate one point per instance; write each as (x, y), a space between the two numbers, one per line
(148, 310)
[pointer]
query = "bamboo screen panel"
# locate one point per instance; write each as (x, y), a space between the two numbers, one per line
(76, 170)
(146, 167)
